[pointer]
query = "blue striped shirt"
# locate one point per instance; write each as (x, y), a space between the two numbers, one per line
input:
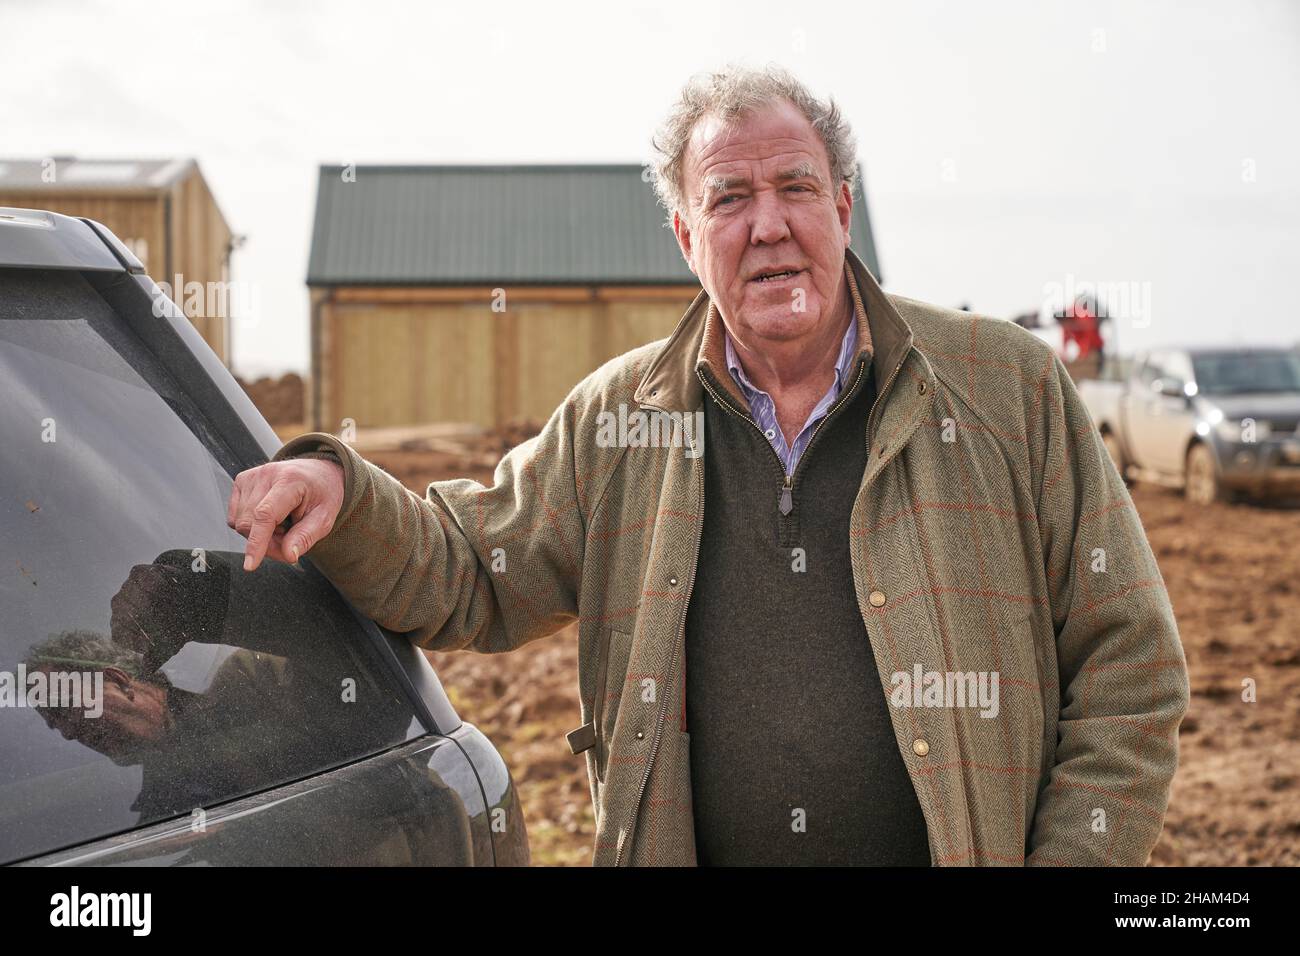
(763, 408)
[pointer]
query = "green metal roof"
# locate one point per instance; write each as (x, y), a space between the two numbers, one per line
(473, 225)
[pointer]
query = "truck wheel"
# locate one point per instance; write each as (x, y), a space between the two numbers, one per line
(1202, 485)
(1112, 448)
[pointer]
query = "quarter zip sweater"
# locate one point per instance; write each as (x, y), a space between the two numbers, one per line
(793, 755)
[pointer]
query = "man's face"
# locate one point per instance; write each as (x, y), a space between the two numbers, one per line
(134, 718)
(762, 198)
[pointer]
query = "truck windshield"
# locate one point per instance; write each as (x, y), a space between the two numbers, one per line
(1230, 373)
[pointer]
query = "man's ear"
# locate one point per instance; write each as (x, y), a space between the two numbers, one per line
(118, 676)
(683, 233)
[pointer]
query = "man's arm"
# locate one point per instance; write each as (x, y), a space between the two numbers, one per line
(487, 569)
(1122, 674)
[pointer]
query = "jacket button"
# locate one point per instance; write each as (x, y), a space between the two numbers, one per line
(920, 747)
(640, 735)
(673, 582)
(877, 598)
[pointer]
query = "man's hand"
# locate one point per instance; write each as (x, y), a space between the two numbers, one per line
(307, 490)
(165, 605)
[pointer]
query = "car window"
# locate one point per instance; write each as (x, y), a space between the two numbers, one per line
(1177, 366)
(1162, 367)
(1149, 372)
(143, 673)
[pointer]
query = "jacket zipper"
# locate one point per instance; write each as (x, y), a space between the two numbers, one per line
(726, 404)
(871, 432)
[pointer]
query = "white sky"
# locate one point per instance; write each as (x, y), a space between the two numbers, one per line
(1008, 145)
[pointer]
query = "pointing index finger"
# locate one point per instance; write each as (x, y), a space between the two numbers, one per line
(279, 503)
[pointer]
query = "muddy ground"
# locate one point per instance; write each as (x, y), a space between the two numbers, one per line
(1232, 574)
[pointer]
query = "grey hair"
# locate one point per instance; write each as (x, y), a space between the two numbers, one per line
(729, 94)
(88, 650)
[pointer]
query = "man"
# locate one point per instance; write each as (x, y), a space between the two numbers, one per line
(907, 508)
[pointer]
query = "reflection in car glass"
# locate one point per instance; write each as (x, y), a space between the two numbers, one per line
(143, 673)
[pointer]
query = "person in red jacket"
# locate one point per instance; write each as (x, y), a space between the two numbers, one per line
(1081, 323)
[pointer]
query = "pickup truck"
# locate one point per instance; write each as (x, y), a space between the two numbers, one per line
(1219, 423)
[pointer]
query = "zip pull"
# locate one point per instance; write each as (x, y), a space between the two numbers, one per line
(787, 497)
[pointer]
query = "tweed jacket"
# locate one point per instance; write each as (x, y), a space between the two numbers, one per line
(991, 533)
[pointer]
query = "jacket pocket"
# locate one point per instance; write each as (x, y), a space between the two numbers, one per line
(611, 681)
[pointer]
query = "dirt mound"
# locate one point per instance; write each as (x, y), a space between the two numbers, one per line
(282, 401)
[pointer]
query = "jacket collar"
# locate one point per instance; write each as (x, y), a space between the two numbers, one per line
(697, 345)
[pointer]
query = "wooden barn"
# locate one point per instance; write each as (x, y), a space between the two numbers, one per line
(162, 209)
(483, 294)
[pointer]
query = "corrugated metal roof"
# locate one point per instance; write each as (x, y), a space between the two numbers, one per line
(67, 174)
(473, 225)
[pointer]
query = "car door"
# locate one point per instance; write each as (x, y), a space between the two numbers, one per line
(1137, 412)
(1154, 417)
(1171, 418)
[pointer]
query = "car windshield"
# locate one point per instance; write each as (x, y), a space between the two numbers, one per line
(143, 674)
(1230, 373)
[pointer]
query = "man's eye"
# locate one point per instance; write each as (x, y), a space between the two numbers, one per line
(723, 200)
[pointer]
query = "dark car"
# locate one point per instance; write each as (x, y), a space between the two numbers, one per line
(158, 704)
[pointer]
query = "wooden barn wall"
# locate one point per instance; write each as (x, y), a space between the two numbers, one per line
(401, 363)
(201, 253)
(201, 239)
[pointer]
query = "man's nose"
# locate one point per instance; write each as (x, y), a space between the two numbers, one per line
(768, 224)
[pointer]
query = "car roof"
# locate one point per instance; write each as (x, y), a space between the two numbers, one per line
(36, 239)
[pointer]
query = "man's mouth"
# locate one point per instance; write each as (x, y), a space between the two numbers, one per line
(776, 276)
